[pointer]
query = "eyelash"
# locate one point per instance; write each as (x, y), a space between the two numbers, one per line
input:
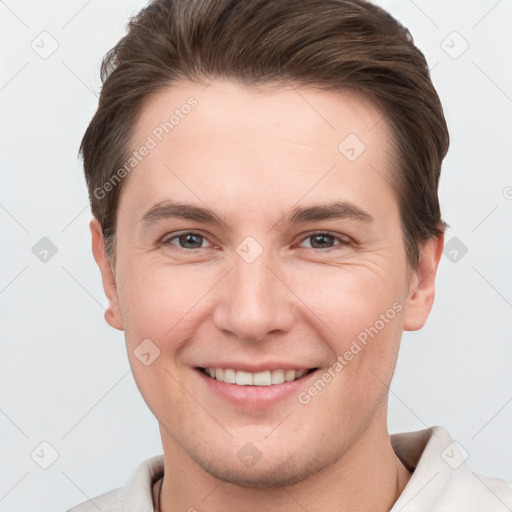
(342, 242)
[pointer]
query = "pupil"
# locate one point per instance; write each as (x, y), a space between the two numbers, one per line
(321, 237)
(189, 238)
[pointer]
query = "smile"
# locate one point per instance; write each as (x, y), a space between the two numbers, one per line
(265, 378)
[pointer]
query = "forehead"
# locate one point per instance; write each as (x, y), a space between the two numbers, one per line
(267, 143)
(316, 117)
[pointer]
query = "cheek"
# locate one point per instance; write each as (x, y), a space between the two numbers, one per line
(350, 298)
(159, 301)
(364, 324)
(357, 312)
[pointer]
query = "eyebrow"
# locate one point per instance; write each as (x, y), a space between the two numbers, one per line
(298, 215)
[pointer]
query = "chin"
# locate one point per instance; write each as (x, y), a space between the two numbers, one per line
(264, 477)
(275, 470)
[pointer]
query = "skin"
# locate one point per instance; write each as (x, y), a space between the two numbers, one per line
(251, 155)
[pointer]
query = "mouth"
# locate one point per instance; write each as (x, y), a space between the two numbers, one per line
(254, 391)
(265, 378)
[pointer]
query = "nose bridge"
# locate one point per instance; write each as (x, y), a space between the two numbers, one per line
(252, 281)
(255, 301)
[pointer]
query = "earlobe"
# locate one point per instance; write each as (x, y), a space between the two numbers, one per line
(112, 313)
(422, 285)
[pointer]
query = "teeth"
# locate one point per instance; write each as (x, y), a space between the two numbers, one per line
(277, 377)
(289, 375)
(229, 376)
(263, 378)
(244, 378)
(266, 378)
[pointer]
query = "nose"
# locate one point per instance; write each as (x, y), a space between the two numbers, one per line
(254, 301)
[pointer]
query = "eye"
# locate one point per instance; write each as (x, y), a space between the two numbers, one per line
(187, 240)
(192, 240)
(321, 240)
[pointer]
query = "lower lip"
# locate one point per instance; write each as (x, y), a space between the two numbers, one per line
(255, 397)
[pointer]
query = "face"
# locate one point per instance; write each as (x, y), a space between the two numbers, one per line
(289, 257)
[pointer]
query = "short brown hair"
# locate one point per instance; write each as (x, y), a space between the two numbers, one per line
(340, 45)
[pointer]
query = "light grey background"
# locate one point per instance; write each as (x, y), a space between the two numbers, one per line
(64, 373)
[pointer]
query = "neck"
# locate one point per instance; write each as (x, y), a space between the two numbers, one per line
(368, 477)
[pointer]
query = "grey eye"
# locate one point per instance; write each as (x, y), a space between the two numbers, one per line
(187, 240)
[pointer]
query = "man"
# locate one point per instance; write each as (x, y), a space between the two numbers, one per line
(297, 147)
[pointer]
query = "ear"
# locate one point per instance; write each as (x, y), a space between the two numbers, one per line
(422, 284)
(112, 313)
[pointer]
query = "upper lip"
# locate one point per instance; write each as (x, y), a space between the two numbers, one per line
(258, 367)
